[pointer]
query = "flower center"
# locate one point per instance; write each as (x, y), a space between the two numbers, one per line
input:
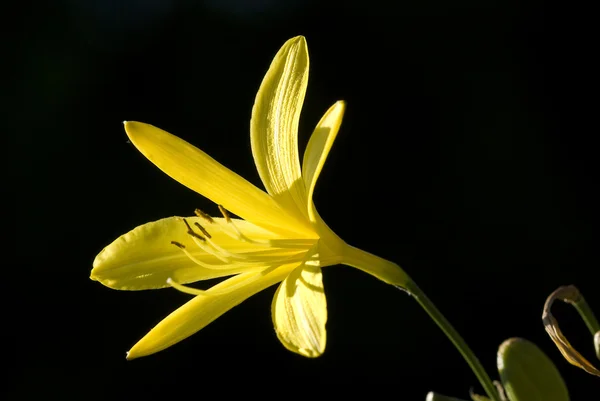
(266, 255)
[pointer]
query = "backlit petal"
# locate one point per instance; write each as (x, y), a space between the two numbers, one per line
(299, 311)
(198, 171)
(144, 258)
(274, 125)
(203, 309)
(318, 148)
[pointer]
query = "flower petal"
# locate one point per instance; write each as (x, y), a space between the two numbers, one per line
(318, 148)
(274, 125)
(203, 309)
(198, 171)
(299, 311)
(144, 258)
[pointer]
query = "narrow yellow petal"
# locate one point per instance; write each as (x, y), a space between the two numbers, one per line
(274, 126)
(203, 309)
(318, 148)
(196, 170)
(144, 258)
(299, 311)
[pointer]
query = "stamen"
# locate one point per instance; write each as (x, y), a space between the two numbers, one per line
(199, 262)
(228, 263)
(222, 227)
(224, 213)
(197, 238)
(210, 251)
(238, 235)
(252, 277)
(242, 237)
(184, 288)
(212, 292)
(192, 232)
(203, 215)
(231, 260)
(203, 230)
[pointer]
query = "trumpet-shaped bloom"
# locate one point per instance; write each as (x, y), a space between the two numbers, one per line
(279, 237)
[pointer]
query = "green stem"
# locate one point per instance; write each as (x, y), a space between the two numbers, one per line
(590, 320)
(587, 315)
(456, 339)
(393, 274)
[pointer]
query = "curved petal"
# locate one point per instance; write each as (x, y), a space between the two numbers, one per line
(274, 125)
(198, 171)
(299, 311)
(203, 309)
(318, 148)
(144, 258)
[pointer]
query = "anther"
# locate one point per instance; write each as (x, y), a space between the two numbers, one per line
(203, 230)
(192, 232)
(178, 244)
(224, 213)
(203, 215)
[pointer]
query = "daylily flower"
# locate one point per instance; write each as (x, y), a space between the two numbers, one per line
(280, 237)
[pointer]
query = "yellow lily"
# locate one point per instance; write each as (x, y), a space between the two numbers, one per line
(280, 237)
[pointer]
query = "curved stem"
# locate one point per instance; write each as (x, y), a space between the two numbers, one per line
(590, 320)
(587, 315)
(456, 339)
(393, 274)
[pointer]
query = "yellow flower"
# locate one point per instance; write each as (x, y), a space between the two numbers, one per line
(280, 238)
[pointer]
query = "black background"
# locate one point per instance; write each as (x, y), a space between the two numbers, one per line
(466, 155)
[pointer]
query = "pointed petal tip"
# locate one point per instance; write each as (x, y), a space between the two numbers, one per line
(134, 354)
(310, 353)
(128, 124)
(99, 265)
(95, 268)
(297, 42)
(299, 38)
(132, 127)
(339, 107)
(137, 351)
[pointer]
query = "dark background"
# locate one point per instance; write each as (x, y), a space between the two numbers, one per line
(466, 155)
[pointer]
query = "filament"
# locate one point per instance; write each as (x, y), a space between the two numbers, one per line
(212, 291)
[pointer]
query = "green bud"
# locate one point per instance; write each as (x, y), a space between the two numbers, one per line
(527, 374)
